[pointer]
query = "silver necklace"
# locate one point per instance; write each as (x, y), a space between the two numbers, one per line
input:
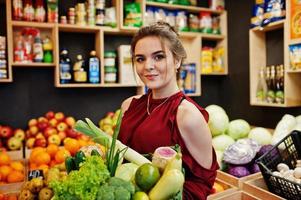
(147, 105)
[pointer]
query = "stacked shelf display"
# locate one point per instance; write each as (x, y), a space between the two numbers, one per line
(192, 41)
(258, 59)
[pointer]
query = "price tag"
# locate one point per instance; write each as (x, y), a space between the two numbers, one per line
(35, 174)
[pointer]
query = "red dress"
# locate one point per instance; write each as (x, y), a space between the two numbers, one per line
(144, 133)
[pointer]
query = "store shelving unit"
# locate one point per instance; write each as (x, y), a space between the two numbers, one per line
(192, 41)
(258, 58)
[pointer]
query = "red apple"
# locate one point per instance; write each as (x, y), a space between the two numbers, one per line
(42, 125)
(49, 115)
(54, 139)
(70, 121)
(1, 144)
(53, 122)
(28, 134)
(6, 132)
(71, 133)
(62, 135)
(40, 142)
(19, 133)
(83, 137)
(33, 130)
(59, 116)
(110, 114)
(50, 131)
(40, 136)
(62, 126)
(42, 119)
(32, 122)
(30, 142)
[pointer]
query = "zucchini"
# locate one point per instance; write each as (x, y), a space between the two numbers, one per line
(70, 164)
(168, 185)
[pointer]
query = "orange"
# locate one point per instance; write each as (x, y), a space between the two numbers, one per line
(15, 176)
(44, 168)
(34, 153)
(4, 158)
(61, 155)
(52, 149)
(17, 165)
(72, 146)
(82, 143)
(42, 158)
(5, 171)
(33, 166)
(12, 197)
(52, 163)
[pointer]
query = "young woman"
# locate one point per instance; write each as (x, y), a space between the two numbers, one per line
(165, 116)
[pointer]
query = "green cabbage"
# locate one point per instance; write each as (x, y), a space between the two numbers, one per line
(218, 123)
(221, 142)
(238, 128)
(214, 108)
(261, 135)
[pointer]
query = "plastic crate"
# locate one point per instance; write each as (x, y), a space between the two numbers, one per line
(287, 151)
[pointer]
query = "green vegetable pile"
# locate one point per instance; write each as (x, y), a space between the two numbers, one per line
(116, 189)
(84, 183)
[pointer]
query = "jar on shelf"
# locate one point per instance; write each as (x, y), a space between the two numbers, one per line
(110, 74)
(110, 57)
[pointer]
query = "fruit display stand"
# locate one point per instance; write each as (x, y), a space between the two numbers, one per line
(232, 180)
(257, 187)
(238, 195)
(228, 189)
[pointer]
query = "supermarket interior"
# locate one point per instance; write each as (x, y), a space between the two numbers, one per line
(66, 67)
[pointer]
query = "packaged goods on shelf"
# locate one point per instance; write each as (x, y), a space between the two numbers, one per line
(94, 68)
(217, 4)
(187, 78)
(295, 18)
(133, 15)
(52, 11)
(3, 62)
(295, 56)
(127, 74)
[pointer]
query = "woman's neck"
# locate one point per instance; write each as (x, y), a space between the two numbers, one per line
(164, 93)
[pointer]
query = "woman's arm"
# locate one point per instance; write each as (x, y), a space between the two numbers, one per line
(195, 133)
(126, 103)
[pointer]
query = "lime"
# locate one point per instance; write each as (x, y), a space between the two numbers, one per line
(140, 196)
(147, 176)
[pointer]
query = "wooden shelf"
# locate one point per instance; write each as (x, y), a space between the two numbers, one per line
(33, 24)
(193, 94)
(6, 80)
(119, 85)
(295, 41)
(182, 7)
(78, 85)
(268, 104)
(33, 64)
(270, 27)
(76, 28)
(291, 71)
(203, 35)
(215, 74)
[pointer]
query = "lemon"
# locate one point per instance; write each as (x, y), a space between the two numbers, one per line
(147, 176)
(140, 196)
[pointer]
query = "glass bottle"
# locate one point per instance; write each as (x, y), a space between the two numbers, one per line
(17, 9)
(38, 49)
(94, 71)
(271, 85)
(65, 67)
(28, 14)
(280, 84)
(40, 13)
(262, 88)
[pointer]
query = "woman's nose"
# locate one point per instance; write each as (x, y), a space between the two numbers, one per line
(149, 64)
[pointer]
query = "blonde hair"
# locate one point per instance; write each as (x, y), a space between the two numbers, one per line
(164, 32)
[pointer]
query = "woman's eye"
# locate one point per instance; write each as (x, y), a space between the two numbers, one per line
(139, 60)
(159, 57)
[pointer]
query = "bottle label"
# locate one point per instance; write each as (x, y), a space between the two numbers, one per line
(93, 71)
(65, 71)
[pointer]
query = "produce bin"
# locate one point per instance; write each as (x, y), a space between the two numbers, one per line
(258, 188)
(17, 154)
(238, 195)
(228, 188)
(232, 180)
(287, 151)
